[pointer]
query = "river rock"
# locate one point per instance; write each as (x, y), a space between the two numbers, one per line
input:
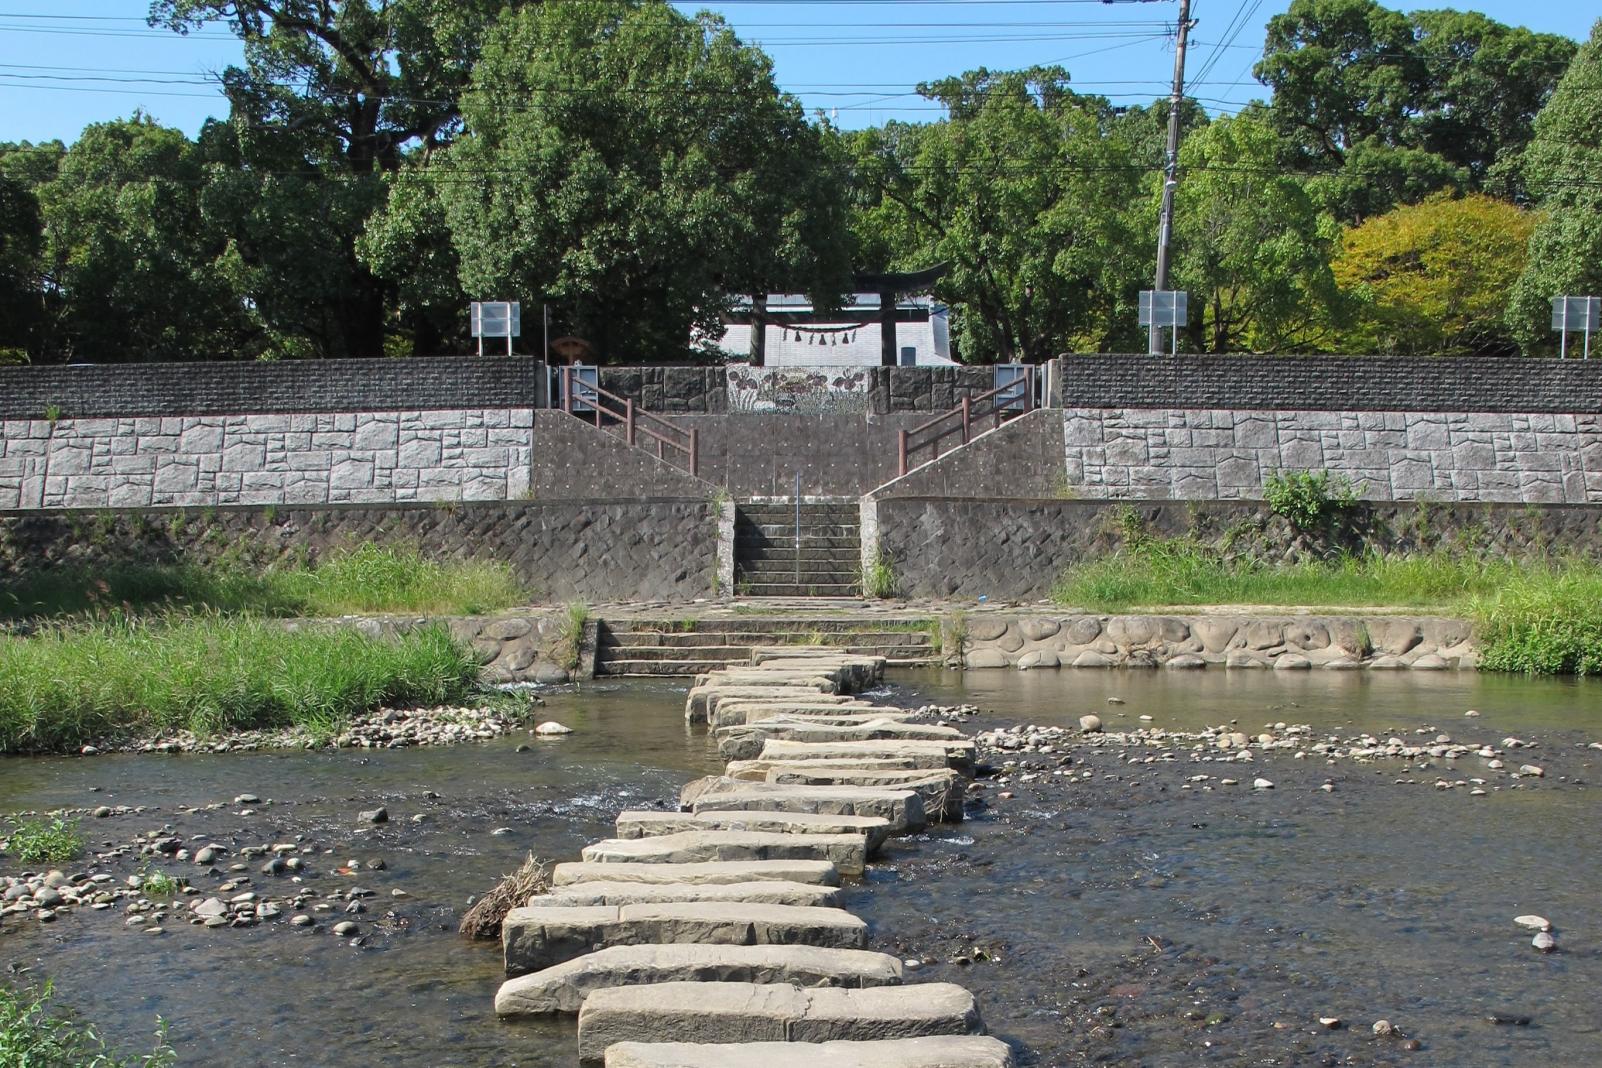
(1090, 724)
(1538, 923)
(551, 728)
(375, 815)
(1262, 784)
(346, 928)
(1544, 941)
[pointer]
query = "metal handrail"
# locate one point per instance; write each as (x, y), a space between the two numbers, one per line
(635, 420)
(1002, 409)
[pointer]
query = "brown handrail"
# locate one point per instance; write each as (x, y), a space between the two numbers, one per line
(1002, 409)
(635, 420)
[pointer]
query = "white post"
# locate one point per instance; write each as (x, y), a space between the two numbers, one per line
(1563, 346)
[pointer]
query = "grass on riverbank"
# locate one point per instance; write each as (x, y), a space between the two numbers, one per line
(33, 1035)
(64, 687)
(363, 579)
(1537, 617)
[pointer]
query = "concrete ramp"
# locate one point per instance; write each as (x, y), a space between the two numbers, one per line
(847, 852)
(953, 1051)
(766, 820)
(624, 893)
(706, 873)
(901, 810)
(563, 987)
(535, 938)
(754, 1012)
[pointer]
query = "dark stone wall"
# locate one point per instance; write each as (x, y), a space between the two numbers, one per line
(660, 548)
(1015, 550)
(1333, 383)
(837, 454)
(258, 387)
(1023, 458)
(572, 460)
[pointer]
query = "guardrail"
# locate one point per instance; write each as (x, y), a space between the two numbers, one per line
(1002, 404)
(631, 419)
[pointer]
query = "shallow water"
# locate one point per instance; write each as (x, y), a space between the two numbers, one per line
(1108, 909)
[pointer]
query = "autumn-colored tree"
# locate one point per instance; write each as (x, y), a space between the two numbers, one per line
(1432, 279)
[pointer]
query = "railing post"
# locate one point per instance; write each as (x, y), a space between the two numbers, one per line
(901, 462)
(967, 419)
(695, 453)
(567, 389)
(628, 420)
(1029, 392)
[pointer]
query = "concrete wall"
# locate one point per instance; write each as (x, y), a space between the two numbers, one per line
(140, 462)
(1205, 454)
(1021, 458)
(837, 454)
(596, 550)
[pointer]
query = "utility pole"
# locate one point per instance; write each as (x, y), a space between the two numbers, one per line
(1165, 227)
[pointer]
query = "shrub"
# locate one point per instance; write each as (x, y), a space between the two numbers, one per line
(41, 841)
(1309, 500)
(32, 1036)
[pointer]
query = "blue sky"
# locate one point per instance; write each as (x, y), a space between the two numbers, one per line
(72, 62)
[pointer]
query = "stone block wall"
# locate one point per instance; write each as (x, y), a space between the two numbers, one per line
(644, 549)
(303, 458)
(1229, 453)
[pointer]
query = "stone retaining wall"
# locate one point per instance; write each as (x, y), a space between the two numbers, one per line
(1238, 642)
(1229, 453)
(307, 458)
(520, 646)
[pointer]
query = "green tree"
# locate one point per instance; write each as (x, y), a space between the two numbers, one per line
(21, 291)
(1563, 169)
(332, 95)
(1249, 246)
(660, 172)
(1432, 279)
(1026, 193)
(129, 255)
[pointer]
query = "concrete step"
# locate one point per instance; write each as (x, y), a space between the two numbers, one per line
(535, 938)
(901, 809)
(770, 892)
(838, 539)
(808, 569)
(652, 824)
(807, 590)
(563, 987)
(923, 754)
(746, 742)
(846, 555)
(847, 852)
(739, 713)
(657, 667)
(777, 1012)
(766, 624)
(702, 700)
(612, 637)
(727, 654)
(703, 873)
(949, 1051)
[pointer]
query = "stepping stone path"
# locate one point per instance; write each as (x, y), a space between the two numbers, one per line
(708, 937)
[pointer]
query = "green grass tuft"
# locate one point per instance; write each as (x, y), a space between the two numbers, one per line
(1550, 623)
(363, 579)
(32, 1035)
(67, 686)
(40, 841)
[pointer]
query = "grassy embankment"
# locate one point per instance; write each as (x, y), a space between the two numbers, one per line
(136, 650)
(1541, 616)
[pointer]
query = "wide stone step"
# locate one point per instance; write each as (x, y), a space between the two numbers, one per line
(848, 556)
(747, 638)
(746, 1012)
(535, 938)
(740, 713)
(805, 573)
(651, 824)
(766, 624)
(847, 852)
(727, 654)
(849, 540)
(703, 700)
(941, 791)
(746, 741)
(923, 754)
(703, 873)
(771, 892)
(657, 667)
(809, 591)
(901, 810)
(948, 1051)
(563, 987)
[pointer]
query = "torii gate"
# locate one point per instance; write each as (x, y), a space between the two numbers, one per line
(889, 286)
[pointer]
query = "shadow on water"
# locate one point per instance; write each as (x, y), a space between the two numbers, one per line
(1121, 919)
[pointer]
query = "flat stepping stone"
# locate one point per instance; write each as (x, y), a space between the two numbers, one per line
(947, 1051)
(702, 700)
(738, 711)
(646, 824)
(922, 754)
(902, 810)
(563, 987)
(746, 742)
(940, 790)
(535, 938)
(705, 873)
(746, 1012)
(758, 770)
(847, 852)
(620, 893)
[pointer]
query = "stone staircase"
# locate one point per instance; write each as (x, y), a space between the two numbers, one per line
(822, 557)
(693, 647)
